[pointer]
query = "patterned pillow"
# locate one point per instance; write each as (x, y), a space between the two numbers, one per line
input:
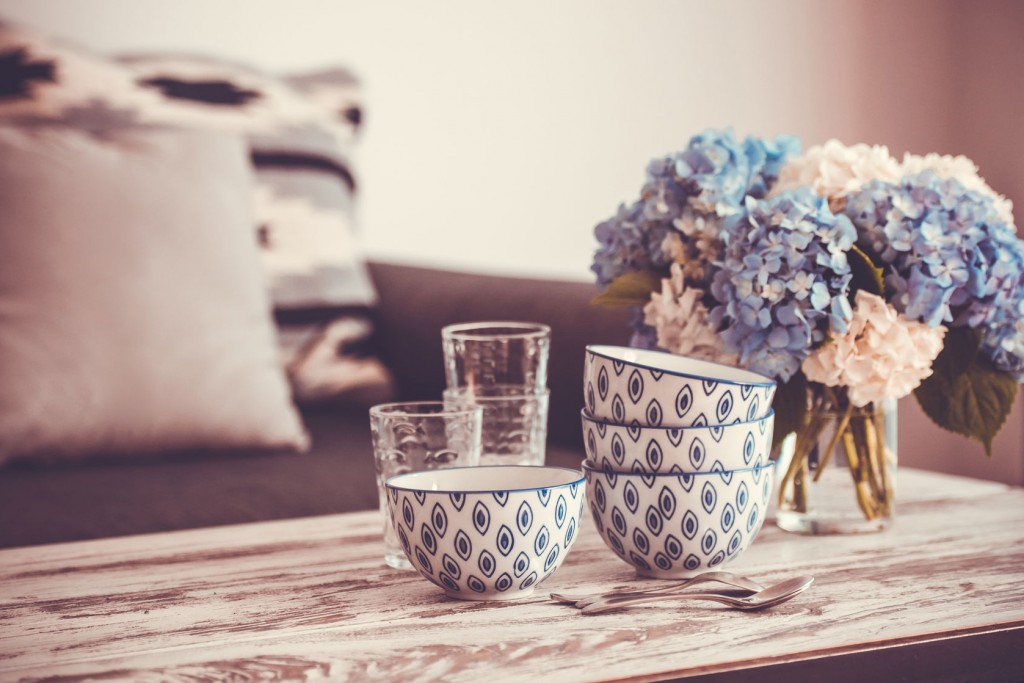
(301, 132)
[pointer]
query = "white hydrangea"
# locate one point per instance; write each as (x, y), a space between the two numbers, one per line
(964, 170)
(681, 321)
(695, 254)
(834, 170)
(883, 354)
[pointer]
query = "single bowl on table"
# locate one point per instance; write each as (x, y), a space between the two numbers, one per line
(675, 525)
(488, 532)
(631, 386)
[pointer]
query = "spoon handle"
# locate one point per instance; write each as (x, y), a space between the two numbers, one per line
(609, 604)
(773, 595)
(708, 577)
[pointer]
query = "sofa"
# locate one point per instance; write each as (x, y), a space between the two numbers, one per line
(112, 496)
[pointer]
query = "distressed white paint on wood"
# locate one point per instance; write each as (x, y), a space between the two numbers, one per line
(308, 598)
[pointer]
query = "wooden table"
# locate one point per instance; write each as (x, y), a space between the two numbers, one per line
(938, 597)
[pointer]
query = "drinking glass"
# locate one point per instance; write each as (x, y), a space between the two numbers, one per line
(423, 435)
(515, 422)
(483, 354)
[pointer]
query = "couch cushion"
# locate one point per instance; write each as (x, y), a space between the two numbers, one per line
(132, 304)
(102, 498)
(300, 135)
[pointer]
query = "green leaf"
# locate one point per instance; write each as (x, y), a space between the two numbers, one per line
(866, 275)
(631, 289)
(965, 394)
(790, 405)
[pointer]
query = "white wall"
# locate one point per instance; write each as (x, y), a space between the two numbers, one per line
(498, 134)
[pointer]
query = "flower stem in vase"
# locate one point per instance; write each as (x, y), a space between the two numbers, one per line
(836, 435)
(859, 464)
(815, 494)
(795, 482)
(885, 460)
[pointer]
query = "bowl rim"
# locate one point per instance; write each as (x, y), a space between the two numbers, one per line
(597, 420)
(590, 465)
(761, 380)
(391, 481)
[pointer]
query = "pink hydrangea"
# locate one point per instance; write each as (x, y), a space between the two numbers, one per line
(882, 356)
(834, 170)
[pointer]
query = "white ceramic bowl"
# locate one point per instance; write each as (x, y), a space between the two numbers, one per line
(678, 525)
(656, 389)
(632, 448)
(487, 533)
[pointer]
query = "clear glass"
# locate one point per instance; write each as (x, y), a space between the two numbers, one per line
(515, 422)
(485, 354)
(837, 475)
(410, 437)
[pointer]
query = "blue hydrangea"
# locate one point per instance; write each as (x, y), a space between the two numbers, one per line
(766, 158)
(949, 257)
(1003, 338)
(711, 175)
(1004, 345)
(688, 193)
(784, 281)
(628, 243)
(714, 174)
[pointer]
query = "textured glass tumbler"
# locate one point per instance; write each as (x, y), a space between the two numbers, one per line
(486, 354)
(410, 437)
(515, 422)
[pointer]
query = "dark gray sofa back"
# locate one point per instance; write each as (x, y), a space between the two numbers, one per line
(415, 303)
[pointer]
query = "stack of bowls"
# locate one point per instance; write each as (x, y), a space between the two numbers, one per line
(678, 470)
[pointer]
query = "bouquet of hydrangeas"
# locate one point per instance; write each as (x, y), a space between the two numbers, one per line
(852, 277)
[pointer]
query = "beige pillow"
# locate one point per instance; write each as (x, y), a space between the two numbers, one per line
(133, 315)
(301, 132)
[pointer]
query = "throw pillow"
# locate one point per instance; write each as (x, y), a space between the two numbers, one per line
(301, 136)
(133, 315)
(300, 133)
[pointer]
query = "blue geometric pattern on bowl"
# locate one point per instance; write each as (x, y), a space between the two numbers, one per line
(678, 525)
(488, 545)
(632, 448)
(665, 390)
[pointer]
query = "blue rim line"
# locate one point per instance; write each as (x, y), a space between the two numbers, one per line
(592, 466)
(768, 382)
(389, 483)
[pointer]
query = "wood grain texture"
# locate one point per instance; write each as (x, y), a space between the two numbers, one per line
(310, 599)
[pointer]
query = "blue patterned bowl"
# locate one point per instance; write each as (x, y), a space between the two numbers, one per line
(487, 533)
(656, 389)
(632, 448)
(678, 525)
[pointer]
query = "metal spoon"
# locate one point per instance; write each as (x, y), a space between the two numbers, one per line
(773, 595)
(582, 600)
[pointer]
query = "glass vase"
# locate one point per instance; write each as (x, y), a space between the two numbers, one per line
(838, 471)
